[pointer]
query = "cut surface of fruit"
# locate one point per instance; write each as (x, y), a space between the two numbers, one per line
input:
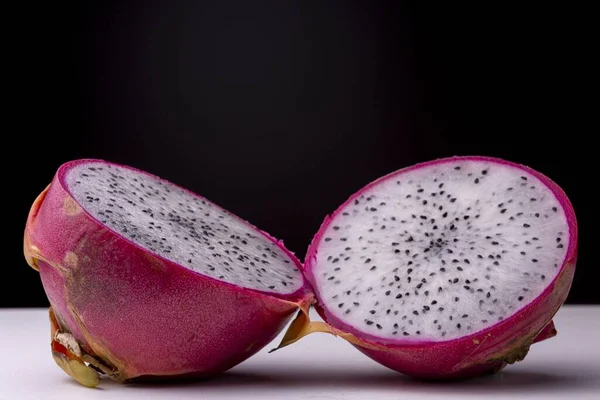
(441, 250)
(181, 227)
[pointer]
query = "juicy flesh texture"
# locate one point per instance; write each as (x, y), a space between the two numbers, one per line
(441, 251)
(181, 227)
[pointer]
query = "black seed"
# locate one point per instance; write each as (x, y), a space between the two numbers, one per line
(369, 322)
(520, 298)
(373, 268)
(526, 225)
(378, 326)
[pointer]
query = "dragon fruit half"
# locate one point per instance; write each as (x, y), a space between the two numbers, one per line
(446, 269)
(147, 280)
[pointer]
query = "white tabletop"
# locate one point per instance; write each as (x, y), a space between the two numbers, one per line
(318, 367)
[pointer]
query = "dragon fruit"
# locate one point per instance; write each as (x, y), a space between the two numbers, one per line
(446, 269)
(147, 280)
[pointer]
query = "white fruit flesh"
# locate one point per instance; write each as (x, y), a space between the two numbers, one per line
(441, 251)
(191, 231)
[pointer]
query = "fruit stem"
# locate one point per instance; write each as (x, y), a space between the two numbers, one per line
(70, 357)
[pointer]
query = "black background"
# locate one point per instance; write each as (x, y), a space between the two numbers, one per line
(280, 110)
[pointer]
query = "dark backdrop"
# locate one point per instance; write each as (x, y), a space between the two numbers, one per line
(278, 111)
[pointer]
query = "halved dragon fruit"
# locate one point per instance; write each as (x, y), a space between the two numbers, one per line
(148, 280)
(446, 269)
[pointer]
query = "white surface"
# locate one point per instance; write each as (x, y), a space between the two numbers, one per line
(318, 367)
